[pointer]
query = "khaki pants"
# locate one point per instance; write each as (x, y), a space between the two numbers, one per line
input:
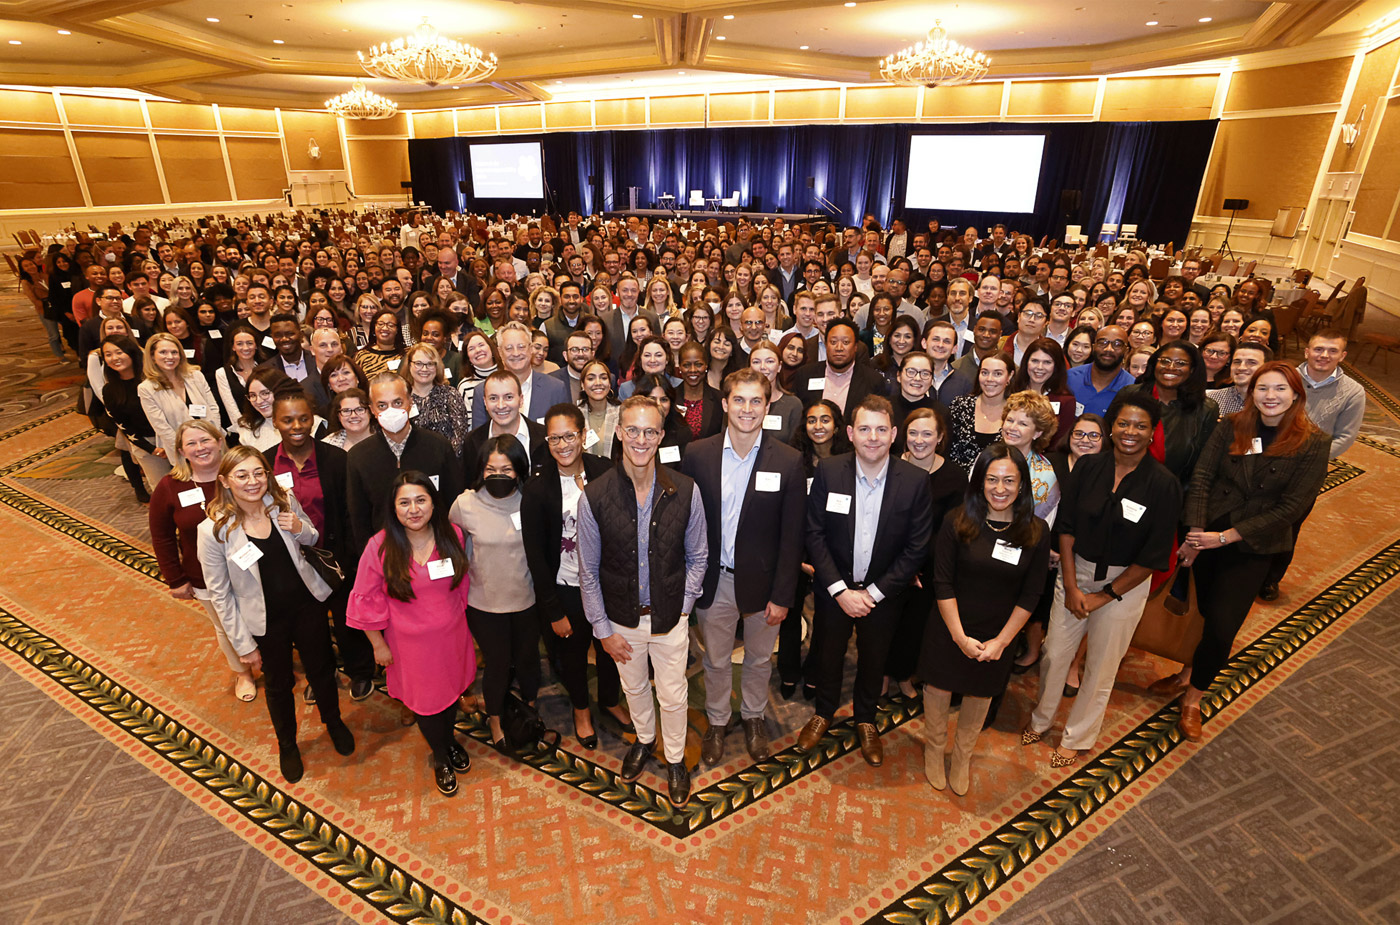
(234, 663)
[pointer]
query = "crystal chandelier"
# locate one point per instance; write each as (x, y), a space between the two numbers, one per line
(939, 62)
(426, 57)
(360, 103)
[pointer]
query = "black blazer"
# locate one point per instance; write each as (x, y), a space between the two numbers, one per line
(542, 527)
(371, 469)
(311, 385)
(471, 450)
(865, 380)
(711, 412)
(901, 540)
(769, 538)
(331, 465)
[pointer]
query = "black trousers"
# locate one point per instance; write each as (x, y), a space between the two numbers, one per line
(908, 640)
(792, 667)
(304, 628)
(510, 642)
(1227, 579)
(356, 653)
(874, 632)
(571, 654)
(1280, 561)
(437, 730)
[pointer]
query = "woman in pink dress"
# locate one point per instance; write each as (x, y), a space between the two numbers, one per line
(410, 598)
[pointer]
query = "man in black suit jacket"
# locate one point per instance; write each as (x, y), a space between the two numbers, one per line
(753, 490)
(296, 363)
(500, 396)
(869, 522)
(841, 371)
(462, 281)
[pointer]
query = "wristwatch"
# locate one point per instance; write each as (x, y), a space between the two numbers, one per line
(1221, 537)
(1112, 592)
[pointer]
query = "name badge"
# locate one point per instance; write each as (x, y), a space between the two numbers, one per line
(214, 334)
(447, 373)
(515, 519)
(1055, 407)
(590, 439)
(413, 412)
(1133, 511)
(394, 365)
(66, 284)
(670, 454)
(191, 496)
(246, 556)
(440, 568)
(772, 422)
(434, 480)
(1006, 552)
(189, 353)
(967, 336)
(838, 503)
(198, 411)
(1256, 446)
(285, 480)
(768, 481)
(269, 343)
(1078, 408)
(809, 486)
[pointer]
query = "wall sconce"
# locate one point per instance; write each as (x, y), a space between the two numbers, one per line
(313, 150)
(1352, 130)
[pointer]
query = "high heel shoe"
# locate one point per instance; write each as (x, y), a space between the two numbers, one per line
(1058, 760)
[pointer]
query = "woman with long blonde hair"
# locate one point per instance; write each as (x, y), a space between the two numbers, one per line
(173, 391)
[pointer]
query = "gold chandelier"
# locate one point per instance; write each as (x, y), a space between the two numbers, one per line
(360, 103)
(426, 57)
(939, 62)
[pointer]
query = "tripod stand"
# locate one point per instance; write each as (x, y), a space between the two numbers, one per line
(1225, 244)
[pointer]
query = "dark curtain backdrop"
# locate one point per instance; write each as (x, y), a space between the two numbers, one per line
(1143, 173)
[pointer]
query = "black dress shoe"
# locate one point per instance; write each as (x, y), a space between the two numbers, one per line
(788, 689)
(308, 695)
(636, 760)
(342, 738)
(458, 758)
(1269, 592)
(809, 692)
(1071, 690)
(289, 760)
(359, 690)
(445, 778)
(678, 783)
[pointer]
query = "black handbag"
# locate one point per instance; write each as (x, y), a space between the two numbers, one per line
(521, 726)
(323, 561)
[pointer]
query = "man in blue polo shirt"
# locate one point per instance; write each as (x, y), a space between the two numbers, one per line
(1094, 384)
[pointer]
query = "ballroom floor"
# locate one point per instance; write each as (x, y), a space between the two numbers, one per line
(137, 788)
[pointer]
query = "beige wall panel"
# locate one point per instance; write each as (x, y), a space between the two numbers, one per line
(1377, 192)
(398, 125)
(1270, 162)
(676, 110)
(568, 115)
(476, 120)
(1372, 84)
(119, 169)
(1157, 99)
(194, 168)
(28, 106)
(807, 105)
(236, 119)
(258, 172)
(95, 110)
(1306, 84)
(300, 128)
(521, 118)
(1051, 98)
(882, 102)
(433, 124)
(738, 107)
(625, 112)
(36, 172)
(180, 115)
(972, 100)
(379, 166)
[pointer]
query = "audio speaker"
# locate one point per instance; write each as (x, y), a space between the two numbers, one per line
(592, 178)
(1235, 205)
(1070, 199)
(811, 182)
(462, 185)
(406, 184)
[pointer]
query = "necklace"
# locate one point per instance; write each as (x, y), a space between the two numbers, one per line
(991, 525)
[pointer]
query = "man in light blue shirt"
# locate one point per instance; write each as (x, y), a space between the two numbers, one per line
(1095, 384)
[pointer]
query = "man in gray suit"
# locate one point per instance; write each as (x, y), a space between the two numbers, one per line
(619, 319)
(538, 391)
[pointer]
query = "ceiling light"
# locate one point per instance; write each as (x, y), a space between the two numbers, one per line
(938, 62)
(682, 73)
(719, 38)
(728, 15)
(1204, 19)
(278, 42)
(1152, 22)
(428, 58)
(636, 15)
(848, 5)
(801, 47)
(16, 42)
(211, 19)
(64, 32)
(360, 103)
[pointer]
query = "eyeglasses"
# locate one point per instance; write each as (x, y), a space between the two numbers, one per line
(423, 365)
(649, 434)
(353, 412)
(1215, 352)
(918, 374)
(1182, 363)
(1033, 316)
(1110, 343)
(1092, 436)
(566, 439)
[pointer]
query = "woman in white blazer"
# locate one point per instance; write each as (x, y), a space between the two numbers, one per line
(268, 597)
(173, 391)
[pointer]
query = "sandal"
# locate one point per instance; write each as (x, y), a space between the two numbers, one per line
(245, 689)
(1062, 761)
(1030, 736)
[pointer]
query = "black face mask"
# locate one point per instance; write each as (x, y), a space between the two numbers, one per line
(499, 486)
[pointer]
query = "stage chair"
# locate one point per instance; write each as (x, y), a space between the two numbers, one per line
(1074, 234)
(731, 202)
(1109, 231)
(1129, 233)
(697, 199)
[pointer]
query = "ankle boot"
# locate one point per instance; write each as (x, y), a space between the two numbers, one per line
(935, 735)
(970, 717)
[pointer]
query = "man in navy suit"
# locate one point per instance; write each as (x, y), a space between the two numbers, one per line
(869, 523)
(538, 391)
(295, 362)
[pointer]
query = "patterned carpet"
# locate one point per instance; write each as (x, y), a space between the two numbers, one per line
(816, 838)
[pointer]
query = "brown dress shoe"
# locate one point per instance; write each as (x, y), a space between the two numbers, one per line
(870, 748)
(812, 733)
(756, 739)
(1169, 686)
(1191, 723)
(712, 746)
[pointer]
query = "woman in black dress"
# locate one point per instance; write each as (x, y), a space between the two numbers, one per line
(990, 561)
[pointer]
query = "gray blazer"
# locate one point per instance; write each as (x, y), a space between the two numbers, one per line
(167, 411)
(237, 593)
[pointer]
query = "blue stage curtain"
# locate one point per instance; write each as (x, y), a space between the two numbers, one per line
(1144, 173)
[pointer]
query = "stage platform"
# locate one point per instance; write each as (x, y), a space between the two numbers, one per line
(721, 217)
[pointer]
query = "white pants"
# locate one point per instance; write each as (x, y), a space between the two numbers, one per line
(717, 627)
(235, 664)
(1110, 629)
(667, 654)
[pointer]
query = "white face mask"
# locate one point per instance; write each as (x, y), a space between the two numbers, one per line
(392, 419)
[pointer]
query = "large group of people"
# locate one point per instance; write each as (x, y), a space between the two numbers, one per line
(396, 447)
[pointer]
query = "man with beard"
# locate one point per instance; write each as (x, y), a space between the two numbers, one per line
(1095, 384)
(839, 378)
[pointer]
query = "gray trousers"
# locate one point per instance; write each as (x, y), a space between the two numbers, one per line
(718, 623)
